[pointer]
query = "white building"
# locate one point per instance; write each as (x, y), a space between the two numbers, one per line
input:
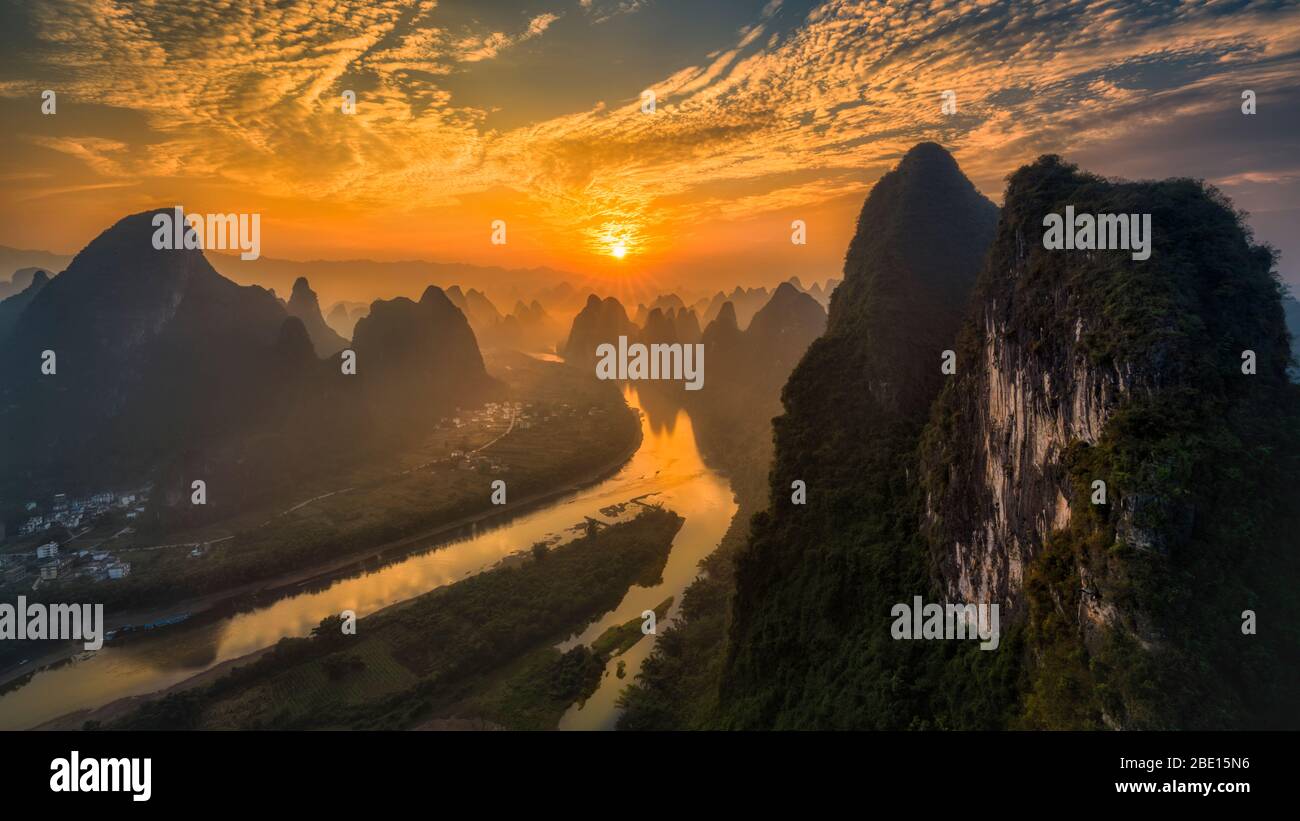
(49, 550)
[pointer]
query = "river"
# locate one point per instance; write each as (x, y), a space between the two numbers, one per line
(668, 465)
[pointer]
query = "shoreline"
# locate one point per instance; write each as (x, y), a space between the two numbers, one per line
(284, 585)
(112, 710)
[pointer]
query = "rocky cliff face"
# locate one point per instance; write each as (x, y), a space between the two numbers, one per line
(1078, 367)
(1161, 380)
(1023, 413)
(1048, 360)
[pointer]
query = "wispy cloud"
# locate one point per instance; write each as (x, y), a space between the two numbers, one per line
(249, 93)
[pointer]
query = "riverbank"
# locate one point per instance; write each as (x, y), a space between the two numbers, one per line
(406, 664)
(264, 591)
(667, 468)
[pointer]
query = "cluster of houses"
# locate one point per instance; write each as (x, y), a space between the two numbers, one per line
(498, 412)
(481, 462)
(72, 513)
(50, 562)
(524, 416)
(95, 565)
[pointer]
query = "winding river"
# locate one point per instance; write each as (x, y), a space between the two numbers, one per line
(667, 467)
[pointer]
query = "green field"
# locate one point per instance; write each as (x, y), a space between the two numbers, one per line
(578, 427)
(481, 648)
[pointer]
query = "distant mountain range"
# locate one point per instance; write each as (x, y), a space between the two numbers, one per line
(343, 316)
(668, 318)
(17, 264)
(162, 366)
(23, 288)
(341, 277)
(744, 368)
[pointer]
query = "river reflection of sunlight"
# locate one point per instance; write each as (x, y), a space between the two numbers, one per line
(668, 463)
(705, 500)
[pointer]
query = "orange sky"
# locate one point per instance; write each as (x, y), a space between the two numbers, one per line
(531, 112)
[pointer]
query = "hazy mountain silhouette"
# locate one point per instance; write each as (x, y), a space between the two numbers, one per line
(418, 360)
(783, 329)
(483, 316)
(24, 263)
(20, 280)
(810, 637)
(304, 305)
(359, 279)
(711, 308)
(599, 322)
(12, 307)
(686, 326)
(155, 350)
(528, 328)
(667, 302)
(723, 338)
(162, 363)
(658, 328)
(343, 316)
(823, 293)
(746, 302)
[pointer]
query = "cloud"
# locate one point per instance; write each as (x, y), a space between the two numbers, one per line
(602, 11)
(475, 49)
(250, 93)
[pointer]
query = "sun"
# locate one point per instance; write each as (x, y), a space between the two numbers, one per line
(619, 239)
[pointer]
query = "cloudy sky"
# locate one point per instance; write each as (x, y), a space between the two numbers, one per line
(470, 111)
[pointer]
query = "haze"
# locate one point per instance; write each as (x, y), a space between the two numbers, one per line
(766, 112)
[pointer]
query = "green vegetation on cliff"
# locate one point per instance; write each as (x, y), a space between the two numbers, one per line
(1131, 615)
(810, 645)
(1135, 610)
